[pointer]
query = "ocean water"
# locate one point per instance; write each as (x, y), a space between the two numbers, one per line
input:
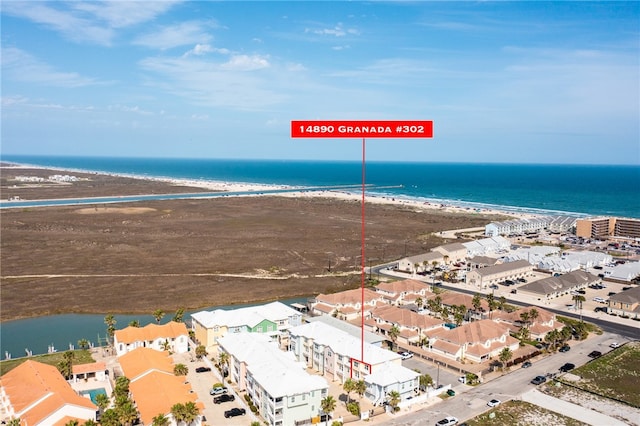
(554, 189)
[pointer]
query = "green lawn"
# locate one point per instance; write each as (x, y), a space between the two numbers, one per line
(81, 356)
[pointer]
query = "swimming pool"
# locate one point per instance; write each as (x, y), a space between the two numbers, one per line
(93, 393)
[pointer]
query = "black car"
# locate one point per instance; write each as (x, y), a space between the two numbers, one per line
(538, 380)
(565, 348)
(223, 398)
(202, 369)
(234, 412)
(567, 367)
(594, 354)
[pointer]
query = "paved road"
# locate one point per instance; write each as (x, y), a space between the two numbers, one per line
(471, 401)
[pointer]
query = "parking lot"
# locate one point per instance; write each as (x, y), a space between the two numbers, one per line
(201, 383)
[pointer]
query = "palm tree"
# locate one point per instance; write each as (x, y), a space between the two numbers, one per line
(201, 351)
(419, 302)
(393, 398)
(102, 401)
(122, 387)
(65, 366)
(349, 386)
(394, 332)
(360, 388)
(73, 422)
(160, 420)
(83, 343)
(110, 418)
(158, 314)
(505, 356)
(328, 404)
(223, 362)
(534, 315)
(110, 320)
(524, 317)
(14, 422)
(127, 413)
(477, 303)
(90, 423)
(179, 315)
(425, 381)
(191, 412)
(492, 303)
(166, 346)
(178, 413)
(134, 323)
(180, 370)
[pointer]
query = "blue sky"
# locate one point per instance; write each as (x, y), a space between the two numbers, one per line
(523, 82)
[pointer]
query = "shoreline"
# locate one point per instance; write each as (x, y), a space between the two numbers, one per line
(447, 206)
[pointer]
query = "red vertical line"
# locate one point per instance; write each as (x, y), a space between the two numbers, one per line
(363, 260)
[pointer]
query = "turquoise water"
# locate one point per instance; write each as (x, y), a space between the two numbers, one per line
(93, 393)
(579, 189)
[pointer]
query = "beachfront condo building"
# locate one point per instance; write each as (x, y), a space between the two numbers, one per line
(605, 227)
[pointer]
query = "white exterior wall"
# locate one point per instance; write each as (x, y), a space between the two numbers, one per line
(67, 411)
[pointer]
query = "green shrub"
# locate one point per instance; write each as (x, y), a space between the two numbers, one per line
(354, 408)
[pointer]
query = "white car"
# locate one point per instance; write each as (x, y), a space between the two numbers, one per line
(406, 355)
(614, 345)
(447, 421)
(218, 390)
(493, 403)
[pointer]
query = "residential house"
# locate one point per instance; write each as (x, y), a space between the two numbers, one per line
(335, 354)
(413, 327)
(477, 341)
(552, 287)
(571, 261)
(538, 327)
(354, 330)
(626, 303)
(486, 246)
(452, 253)
(271, 319)
(391, 377)
(626, 272)
(403, 292)
(154, 387)
(37, 394)
(346, 305)
(172, 336)
(420, 262)
(485, 277)
(278, 384)
(481, 262)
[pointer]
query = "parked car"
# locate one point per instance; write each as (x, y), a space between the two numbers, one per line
(202, 369)
(234, 412)
(447, 421)
(451, 392)
(614, 345)
(594, 354)
(538, 380)
(493, 403)
(567, 367)
(405, 355)
(526, 364)
(225, 397)
(565, 348)
(218, 390)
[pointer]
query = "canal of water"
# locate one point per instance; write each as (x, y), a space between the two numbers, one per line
(60, 331)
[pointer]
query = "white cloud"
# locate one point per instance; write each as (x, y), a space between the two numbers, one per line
(87, 22)
(18, 65)
(337, 31)
(212, 84)
(202, 49)
(186, 33)
(245, 63)
(119, 14)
